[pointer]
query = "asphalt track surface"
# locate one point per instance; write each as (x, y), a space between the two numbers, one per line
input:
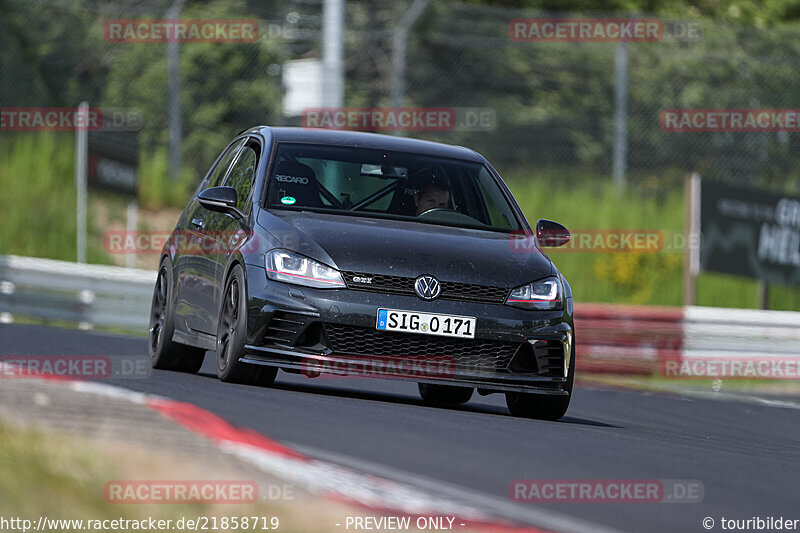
(745, 455)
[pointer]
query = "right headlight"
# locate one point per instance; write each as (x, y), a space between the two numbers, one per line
(291, 267)
(545, 294)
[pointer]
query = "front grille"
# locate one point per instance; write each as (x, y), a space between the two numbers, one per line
(380, 283)
(467, 353)
(451, 290)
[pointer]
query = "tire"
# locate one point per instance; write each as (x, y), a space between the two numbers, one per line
(444, 394)
(543, 406)
(166, 354)
(232, 335)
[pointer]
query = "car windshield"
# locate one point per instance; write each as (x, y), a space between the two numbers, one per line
(384, 184)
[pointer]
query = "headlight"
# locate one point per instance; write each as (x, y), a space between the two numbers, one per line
(283, 265)
(544, 294)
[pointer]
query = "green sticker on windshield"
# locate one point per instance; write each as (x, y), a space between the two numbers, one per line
(288, 200)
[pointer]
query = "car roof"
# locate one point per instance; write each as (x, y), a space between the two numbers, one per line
(367, 140)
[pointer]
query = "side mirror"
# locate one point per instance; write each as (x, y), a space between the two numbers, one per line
(550, 233)
(221, 200)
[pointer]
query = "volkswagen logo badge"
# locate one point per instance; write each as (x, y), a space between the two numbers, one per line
(427, 287)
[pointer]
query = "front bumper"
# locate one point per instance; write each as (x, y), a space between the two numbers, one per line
(311, 331)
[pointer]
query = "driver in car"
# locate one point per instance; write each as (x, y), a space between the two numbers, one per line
(432, 196)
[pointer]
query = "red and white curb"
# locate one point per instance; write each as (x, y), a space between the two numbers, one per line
(350, 481)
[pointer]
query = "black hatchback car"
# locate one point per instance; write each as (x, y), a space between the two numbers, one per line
(327, 252)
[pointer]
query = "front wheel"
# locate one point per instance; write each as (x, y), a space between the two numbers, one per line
(542, 406)
(232, 334)
(444, 394)
(166, 354)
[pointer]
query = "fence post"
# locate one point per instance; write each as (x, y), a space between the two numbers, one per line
(620, 114)
(691, 257)
(333, 53)
(174, 91)
(399, 46)
(81, 159)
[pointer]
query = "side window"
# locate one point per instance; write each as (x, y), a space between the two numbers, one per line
(224, 164)
(496, 206)
(241, 175)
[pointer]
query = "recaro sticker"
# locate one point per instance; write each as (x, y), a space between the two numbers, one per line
(291, 179)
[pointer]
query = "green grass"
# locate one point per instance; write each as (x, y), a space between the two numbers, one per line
(38, 219)
(66, 478)
(63, 477)
(657, 382)
(633, 278)
(37, 204)
(156, 189)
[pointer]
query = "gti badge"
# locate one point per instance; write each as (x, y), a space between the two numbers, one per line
(427, 287)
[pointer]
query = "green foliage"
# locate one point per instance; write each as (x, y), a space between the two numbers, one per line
(156, 189)
(38, 200)
(651, 278)
(749, 12)
(51, 53)
(555, 101)
(224, 89)
(622, 277)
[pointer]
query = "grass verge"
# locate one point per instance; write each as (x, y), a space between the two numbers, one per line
(60, 477)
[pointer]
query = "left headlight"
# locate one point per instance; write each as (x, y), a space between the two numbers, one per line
(545, 294)
(291, 267)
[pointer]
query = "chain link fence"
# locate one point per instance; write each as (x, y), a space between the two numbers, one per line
(553, 103)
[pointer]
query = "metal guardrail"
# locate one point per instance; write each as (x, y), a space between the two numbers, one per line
(740, 333)
(610, 338)
(87, 295)
(637, 339)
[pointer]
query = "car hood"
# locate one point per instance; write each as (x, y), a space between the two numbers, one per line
(407, 248)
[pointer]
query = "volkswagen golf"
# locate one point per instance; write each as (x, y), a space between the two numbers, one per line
(326, 252)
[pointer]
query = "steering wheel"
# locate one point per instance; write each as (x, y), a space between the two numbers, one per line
(437, 209)
(450, 216)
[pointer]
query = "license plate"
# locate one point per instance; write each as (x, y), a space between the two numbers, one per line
(426, 323)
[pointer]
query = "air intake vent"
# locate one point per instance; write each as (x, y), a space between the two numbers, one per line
(286, 329)
(549, 357)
